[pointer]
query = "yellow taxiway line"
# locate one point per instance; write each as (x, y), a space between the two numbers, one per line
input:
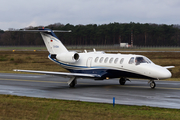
(87, 83)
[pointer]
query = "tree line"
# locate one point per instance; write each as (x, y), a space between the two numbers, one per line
(105, 34)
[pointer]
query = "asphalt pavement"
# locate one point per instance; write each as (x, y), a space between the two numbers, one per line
(137, 92)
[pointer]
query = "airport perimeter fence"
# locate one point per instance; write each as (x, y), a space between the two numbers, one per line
(88, 47)
(115, 47)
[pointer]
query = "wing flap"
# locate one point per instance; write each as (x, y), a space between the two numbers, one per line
(61, 73)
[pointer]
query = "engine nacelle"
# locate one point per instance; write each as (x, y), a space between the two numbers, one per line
(69, 57)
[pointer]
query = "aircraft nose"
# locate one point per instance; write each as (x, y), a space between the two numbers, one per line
(164, 73)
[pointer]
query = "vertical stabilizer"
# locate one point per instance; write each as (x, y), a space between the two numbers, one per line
(53, 44)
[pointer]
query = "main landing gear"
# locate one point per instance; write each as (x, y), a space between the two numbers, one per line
(122, 81)
(152, 84)
(72, 82)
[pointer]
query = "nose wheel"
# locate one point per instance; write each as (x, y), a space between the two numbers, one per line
(152, 84)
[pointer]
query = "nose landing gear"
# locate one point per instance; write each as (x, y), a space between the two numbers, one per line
(122, 81)
(152, 84)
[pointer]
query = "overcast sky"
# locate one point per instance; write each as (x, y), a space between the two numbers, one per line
(23, 13)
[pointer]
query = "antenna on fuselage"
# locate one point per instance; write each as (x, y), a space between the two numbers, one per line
(85, 51)
(94, 50)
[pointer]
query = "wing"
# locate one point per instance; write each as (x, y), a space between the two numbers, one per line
(80, 75)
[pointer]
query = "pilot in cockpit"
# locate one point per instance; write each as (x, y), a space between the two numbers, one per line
(139, 60)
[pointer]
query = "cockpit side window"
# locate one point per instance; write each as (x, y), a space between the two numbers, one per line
(139, 60)
(131, 61)
(149, 61)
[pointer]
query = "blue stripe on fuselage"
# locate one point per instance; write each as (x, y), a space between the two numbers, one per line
(65, 64)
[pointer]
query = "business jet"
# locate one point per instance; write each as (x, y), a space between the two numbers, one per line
(98, 65)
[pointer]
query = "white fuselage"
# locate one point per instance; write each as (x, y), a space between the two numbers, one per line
(115, 66)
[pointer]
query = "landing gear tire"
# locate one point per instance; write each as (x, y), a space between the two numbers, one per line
(72, 84)
(122, 81)
(152, 84)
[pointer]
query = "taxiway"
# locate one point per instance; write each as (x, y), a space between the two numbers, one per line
(137, 92)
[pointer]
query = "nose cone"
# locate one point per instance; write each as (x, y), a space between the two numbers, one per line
(166, 74)
(154, 71)
(163, 73)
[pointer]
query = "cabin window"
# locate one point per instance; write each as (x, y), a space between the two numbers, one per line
(121, 61)
(116, 60)
(106, 59)
(101, 60)
(131, 61)
(110, 61)
(96, 59)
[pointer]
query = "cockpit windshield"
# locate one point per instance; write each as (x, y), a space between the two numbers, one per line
(139, 60)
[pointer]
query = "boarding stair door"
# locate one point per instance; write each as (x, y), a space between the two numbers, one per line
(89, 61)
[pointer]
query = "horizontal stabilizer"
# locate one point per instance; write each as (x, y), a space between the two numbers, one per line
(41, 30)
(80, 75)
(53, 44)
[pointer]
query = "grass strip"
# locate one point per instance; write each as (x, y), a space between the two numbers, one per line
(15, 107)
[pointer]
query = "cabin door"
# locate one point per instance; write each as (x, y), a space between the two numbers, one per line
(89, 61)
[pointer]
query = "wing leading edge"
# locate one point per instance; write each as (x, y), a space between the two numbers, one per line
(80, 75)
